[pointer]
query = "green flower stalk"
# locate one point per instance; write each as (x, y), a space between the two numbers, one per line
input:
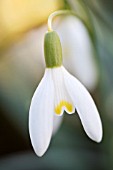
(52, 50)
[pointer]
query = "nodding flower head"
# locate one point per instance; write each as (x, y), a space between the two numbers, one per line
(57, 92)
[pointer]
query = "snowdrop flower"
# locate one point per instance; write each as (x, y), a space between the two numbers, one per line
(57, 92)
(78, 51)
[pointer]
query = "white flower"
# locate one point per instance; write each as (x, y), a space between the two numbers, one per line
(59, 91)
(78, 51)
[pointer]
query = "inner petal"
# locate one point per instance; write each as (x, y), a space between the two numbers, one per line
(62, 100)
(64, 105)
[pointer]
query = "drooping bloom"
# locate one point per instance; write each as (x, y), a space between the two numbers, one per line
(57, 92)
(78, 51)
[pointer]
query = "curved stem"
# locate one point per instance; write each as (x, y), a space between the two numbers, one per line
(56, 13)
(60, 12)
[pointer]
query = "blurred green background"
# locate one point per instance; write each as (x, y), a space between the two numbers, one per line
(22, 25)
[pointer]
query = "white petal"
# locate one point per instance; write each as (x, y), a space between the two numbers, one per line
(85, 106)
(41, 114)
(62, 98)
(56, 123)
(78, 51)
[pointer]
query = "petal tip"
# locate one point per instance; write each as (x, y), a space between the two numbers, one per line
(40, 154)
(98, 140)
(98, 136)
(40, 151)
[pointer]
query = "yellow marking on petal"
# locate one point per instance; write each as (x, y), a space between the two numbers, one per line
(68, 106)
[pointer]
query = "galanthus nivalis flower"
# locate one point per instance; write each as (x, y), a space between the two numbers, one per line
(78, 51)
(57, 92)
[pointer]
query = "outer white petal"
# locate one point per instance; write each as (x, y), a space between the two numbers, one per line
(85, 106)
(78, 52)
(41, 114)
(56, 123)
